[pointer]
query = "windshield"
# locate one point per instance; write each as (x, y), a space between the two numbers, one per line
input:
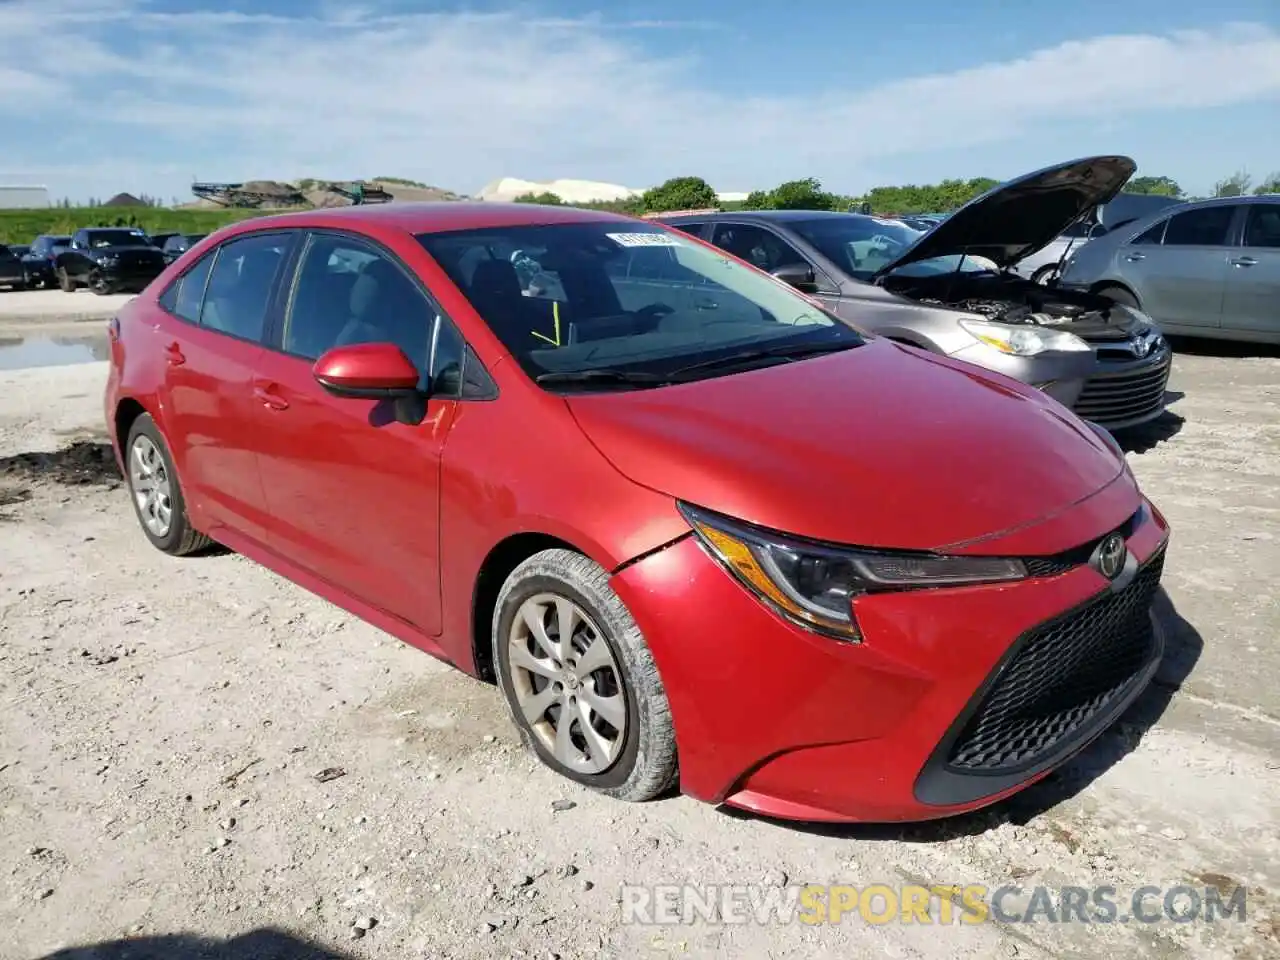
(862, 246)
(625, 298)
(114, 238)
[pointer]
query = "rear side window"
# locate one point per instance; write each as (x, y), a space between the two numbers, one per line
(1263, 226)
(1206, 227)
(240, 284)
(191, 290)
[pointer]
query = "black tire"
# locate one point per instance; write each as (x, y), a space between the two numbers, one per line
(1044, 274)
(98, 284)
(181, 538)
(646, 765)
(65, 282)
(1119, 295)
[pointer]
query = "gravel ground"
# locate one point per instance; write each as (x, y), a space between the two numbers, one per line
(17, 306)
(164, 726)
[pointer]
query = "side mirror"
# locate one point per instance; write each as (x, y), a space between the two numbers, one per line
(370, 371)
(798, 275)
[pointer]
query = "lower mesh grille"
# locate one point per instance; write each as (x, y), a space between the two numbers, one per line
(1063, 674)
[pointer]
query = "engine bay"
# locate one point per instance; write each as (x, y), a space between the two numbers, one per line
(1006, 298)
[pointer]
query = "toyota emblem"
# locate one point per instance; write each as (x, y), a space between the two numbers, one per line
(1109, 557)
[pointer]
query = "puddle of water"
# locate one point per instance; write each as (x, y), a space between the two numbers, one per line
(19, 353)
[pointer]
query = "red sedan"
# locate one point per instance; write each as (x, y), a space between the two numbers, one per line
(698, 530)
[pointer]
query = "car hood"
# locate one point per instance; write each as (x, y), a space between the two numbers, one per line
(1017, 218)
(878, 446)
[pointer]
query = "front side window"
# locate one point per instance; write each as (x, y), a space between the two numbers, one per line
(350, 292)
(1152, 236)
(1205, 227)
(239, 288)
(633, 302)
(1262, 229)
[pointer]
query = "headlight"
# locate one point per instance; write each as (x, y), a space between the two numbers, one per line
(814, 585)
(1022, 340)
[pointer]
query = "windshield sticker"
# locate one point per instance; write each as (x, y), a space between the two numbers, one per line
(644, 240)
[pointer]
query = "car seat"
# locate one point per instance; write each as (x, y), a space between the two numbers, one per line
(386, 307)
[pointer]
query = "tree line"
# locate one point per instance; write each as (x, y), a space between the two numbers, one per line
(694, 193)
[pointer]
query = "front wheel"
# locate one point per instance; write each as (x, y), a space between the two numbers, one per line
(1045, 274)
(579, 678)
(156, 493)
(98, 283)
(65, 282)
(1119, 295)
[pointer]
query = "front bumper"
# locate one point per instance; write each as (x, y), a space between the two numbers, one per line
(131, 275)
(1106, 387)
(791, 724)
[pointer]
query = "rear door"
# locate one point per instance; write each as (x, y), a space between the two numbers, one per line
(211, 336)
(1251, 303)
(1182, 280)
(354, 493)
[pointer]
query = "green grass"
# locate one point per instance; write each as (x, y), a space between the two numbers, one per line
(21, 226)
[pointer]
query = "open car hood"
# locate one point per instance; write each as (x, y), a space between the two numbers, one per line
(1017, 218)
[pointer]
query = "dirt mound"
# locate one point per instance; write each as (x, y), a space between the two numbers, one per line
(83, 462)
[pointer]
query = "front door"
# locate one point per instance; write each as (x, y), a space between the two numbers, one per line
(1252, 301)
(354, 494)
(1182, 280)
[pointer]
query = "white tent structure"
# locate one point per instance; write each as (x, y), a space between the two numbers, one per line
(570, 191)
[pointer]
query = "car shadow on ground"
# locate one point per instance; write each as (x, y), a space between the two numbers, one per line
(1149, 435)
(1200, 347)
(1183, 646)
(263, 944)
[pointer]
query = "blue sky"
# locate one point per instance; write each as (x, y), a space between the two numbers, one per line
(99, 96)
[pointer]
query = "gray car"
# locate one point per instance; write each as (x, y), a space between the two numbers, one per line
(1205, 269)
(1044, 264)
(950, 290)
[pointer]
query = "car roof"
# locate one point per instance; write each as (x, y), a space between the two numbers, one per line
(434, 216)
(769, 215)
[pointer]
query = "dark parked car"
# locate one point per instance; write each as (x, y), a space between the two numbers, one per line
(107, 260)
(179, 243)
(13, 270)
(696, 528)
(20, 249)
(48, 245)
(950, 291)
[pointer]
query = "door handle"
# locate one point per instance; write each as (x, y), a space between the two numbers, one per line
(269, 398)
(1135, 257)
(173, 354)
(1243, 262)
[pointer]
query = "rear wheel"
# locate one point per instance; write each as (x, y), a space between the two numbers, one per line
(156, 493)
(579, 679)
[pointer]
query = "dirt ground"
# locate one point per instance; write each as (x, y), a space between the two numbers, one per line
(164, 724)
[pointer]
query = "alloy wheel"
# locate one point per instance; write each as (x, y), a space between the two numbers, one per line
(567, 683)
(149, 481)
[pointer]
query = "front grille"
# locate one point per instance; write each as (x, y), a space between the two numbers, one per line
(1117, 398)
(1059, 563)
(1062, 675)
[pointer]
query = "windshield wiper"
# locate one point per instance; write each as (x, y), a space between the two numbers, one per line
(783, 354)
(602, 375)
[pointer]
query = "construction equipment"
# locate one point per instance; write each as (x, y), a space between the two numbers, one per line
(247, 195)
(359, 192)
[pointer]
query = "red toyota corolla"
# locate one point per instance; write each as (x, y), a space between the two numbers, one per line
(695, 527)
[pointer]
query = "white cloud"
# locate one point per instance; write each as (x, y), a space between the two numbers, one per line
(459, 99)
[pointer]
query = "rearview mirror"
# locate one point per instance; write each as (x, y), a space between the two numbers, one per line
(798, 275)
(371, 371)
